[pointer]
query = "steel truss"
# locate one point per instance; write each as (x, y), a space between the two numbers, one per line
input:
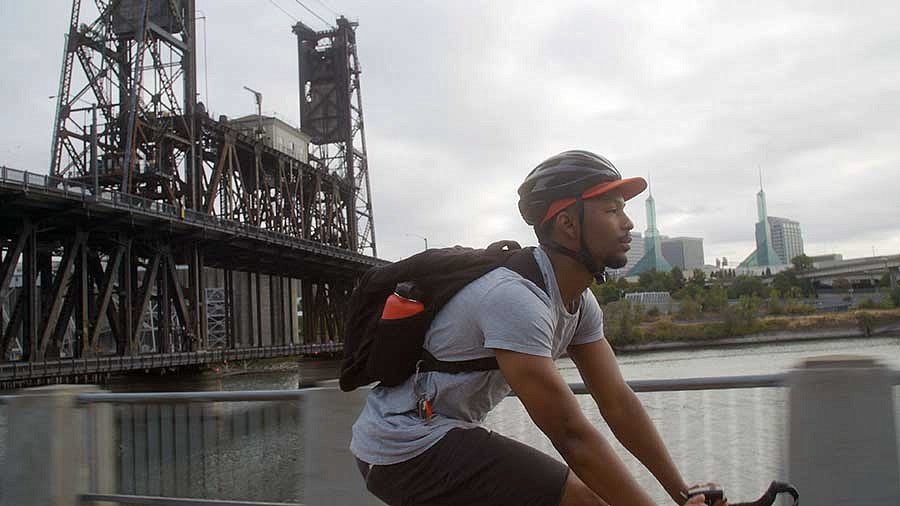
(128, 120)
(100, 282)
(95, 281)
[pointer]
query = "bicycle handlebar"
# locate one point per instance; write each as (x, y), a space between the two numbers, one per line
(768, 498)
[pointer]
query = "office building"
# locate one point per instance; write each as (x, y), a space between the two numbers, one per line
(787, 241)
(686, 253)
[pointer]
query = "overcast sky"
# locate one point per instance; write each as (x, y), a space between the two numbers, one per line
(462, 99)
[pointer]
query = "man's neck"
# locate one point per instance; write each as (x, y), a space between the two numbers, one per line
(571, 277)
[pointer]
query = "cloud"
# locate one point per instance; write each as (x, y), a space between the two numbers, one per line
(462, 99)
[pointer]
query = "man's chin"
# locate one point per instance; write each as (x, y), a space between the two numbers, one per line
(616, 262)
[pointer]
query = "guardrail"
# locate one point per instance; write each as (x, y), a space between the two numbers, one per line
(68, 367)
(841, 411)
(83, 192)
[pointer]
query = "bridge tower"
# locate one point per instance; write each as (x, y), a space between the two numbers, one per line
(331, 113)
(125, 111)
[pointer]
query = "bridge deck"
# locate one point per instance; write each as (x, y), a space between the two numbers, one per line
(231, 244)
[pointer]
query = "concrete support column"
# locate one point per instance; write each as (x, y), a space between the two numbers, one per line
(330, 474)
(56, 448)
(842, 438)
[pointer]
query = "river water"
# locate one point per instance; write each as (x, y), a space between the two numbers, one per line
(735, 437)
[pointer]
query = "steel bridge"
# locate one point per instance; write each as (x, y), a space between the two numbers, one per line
(164, 238)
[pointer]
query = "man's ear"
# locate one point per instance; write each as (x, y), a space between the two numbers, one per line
(566, 224)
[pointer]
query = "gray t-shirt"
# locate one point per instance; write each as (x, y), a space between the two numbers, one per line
(500, 310)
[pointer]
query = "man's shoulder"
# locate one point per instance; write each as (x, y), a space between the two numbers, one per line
(504, 282)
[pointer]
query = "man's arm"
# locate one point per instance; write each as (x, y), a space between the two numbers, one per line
(625, 414)
(555, 410)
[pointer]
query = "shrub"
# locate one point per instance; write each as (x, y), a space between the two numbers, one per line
(866, 322)
(895, 297)
(605, 293)
(663, 330)
(688, 309)
(653, 312)
(715, 299)
(621, 320)
(794, 307)
(867, 303)
(741, 318)
(775, 306)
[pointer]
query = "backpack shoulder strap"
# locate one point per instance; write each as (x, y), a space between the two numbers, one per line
(524, 263)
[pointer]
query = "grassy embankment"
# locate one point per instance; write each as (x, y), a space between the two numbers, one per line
(629, 330)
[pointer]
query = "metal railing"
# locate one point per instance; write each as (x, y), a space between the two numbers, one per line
(229, 430)
(252, 448)
(84, 192)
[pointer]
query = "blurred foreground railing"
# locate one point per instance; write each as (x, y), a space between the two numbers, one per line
(234, 448)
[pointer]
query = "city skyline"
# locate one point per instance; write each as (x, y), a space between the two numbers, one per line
(461, 107)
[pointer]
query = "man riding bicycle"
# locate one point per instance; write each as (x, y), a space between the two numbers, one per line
(575, 202)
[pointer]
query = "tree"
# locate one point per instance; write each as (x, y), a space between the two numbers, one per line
(654, 281)
(784, 280)
(676, 278)
(741, 318)
(715, 299)
(802, 263)
(746, 285)
(774, 303)
(605, 293)
(698, 278)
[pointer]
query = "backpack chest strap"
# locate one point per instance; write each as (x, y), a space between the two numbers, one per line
(431, 364)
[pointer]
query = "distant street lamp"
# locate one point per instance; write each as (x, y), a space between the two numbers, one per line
(420, 237)
(258, 96)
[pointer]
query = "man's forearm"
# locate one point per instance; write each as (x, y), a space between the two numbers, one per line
(595, 462)
(634, 429)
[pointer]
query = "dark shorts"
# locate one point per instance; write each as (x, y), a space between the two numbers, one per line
(470, 467)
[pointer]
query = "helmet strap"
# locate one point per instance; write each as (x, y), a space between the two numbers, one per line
(581, 256)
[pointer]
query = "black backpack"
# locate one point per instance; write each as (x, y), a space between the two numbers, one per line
(384, 347)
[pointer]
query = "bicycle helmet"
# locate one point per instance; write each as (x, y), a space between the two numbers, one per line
(569, 178)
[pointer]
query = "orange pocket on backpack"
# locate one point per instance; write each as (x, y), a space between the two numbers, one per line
(397, 307)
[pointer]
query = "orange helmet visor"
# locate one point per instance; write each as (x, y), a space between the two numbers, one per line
(629, 187)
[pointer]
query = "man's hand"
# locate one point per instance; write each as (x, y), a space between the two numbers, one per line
(701, 499)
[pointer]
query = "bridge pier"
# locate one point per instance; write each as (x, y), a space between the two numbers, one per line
(842, 437)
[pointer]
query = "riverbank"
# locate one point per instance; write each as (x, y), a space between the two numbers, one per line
(667, 334)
